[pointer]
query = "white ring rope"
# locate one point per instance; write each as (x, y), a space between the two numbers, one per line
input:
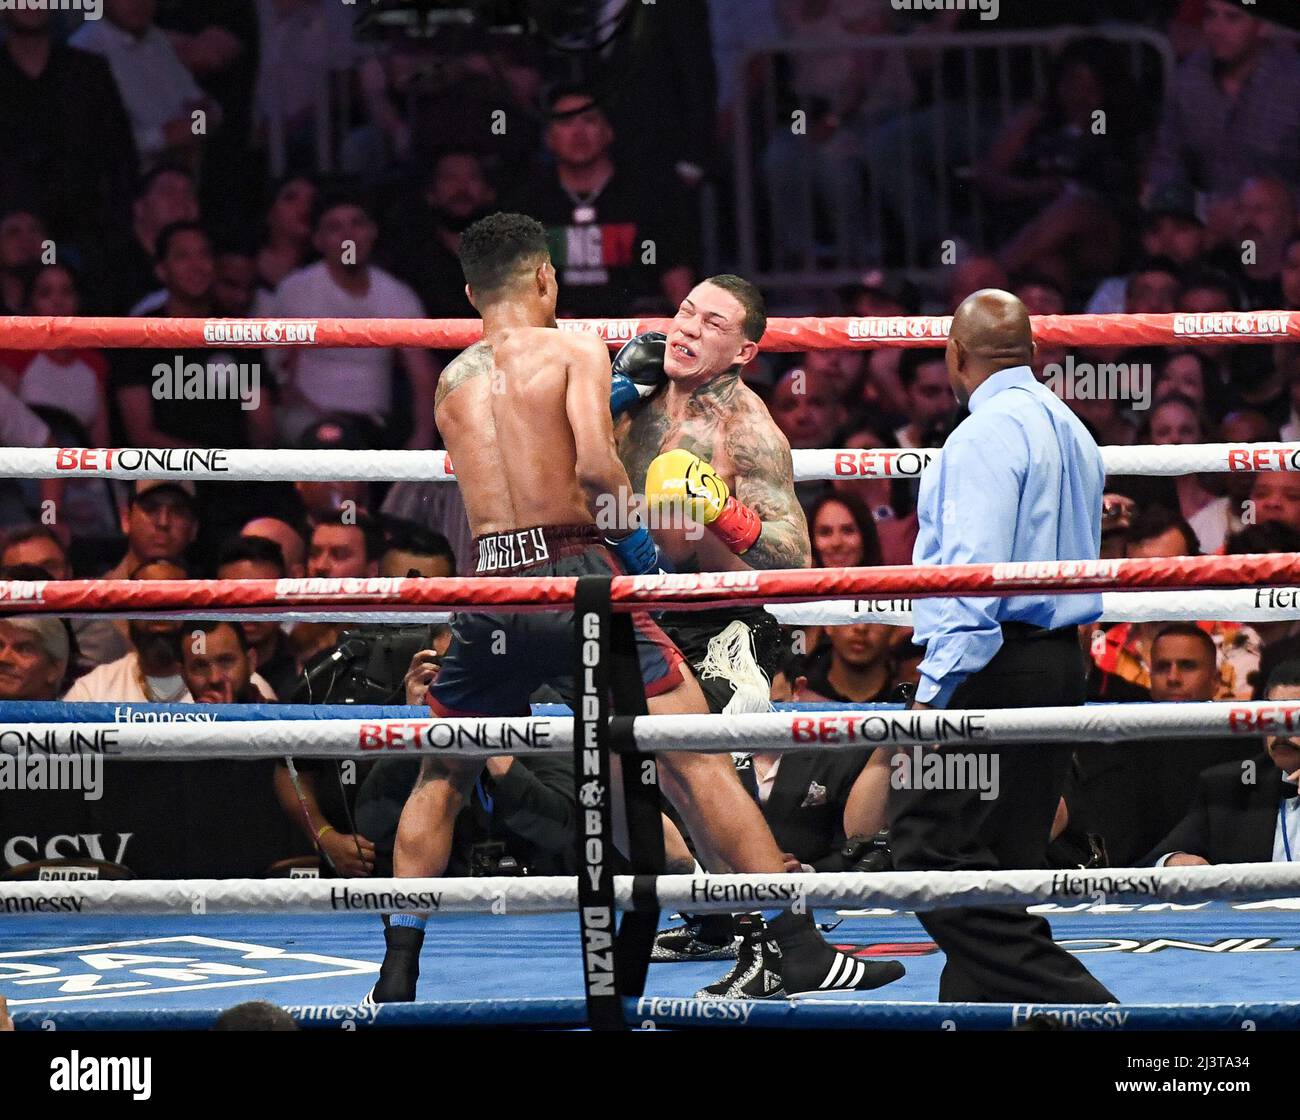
(911, 890)
(179, 739)
(278, 465)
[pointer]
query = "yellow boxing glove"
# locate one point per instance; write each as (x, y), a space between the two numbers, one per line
(678, 479)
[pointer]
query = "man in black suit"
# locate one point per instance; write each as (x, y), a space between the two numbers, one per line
(1248, 811)
(1132, 793)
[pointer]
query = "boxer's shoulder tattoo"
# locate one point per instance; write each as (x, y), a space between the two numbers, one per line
(764, 473)
(467, 365)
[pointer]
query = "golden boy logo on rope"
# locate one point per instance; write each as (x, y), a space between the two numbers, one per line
(1263, 323)
(611, 330)
(1056, 571)
(879, 328)
(312, 587)
(260, 332)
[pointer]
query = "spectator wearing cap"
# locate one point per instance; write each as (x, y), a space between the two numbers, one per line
(251, 557)
(1171, 230)
(98, 640)
(1244, 812)
(316, 382)
(1233, 112)
(336, 432)
(160, 523)
(34, 653)
(601, 216)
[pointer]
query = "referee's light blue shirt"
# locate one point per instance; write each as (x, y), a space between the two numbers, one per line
(1019, 479)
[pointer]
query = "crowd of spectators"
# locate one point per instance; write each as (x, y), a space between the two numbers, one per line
(135, 154)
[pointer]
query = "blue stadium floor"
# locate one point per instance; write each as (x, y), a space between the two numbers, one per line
(1210, 954)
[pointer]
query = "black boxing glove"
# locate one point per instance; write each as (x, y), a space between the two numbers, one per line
(638, 370)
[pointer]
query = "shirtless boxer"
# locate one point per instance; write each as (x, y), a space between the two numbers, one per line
(526, 418)
(705, 446)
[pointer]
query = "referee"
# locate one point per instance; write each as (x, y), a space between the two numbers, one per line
(1019, 479)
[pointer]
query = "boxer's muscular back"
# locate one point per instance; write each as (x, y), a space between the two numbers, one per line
(501, 409)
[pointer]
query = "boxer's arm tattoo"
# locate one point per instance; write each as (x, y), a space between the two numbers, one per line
(471, 363)
(765, 483)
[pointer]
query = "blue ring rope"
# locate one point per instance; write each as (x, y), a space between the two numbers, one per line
(674, 1011)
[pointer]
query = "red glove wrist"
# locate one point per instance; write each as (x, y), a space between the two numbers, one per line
(737, 526)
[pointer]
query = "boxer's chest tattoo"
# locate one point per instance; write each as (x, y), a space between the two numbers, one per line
(699, 426)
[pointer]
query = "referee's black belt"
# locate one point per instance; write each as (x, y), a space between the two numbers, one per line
(1025, 632)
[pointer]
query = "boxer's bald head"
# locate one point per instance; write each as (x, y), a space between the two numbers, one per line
(990, 332)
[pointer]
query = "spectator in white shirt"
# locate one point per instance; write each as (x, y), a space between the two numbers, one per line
(160, 94)
(317, 382)
(151, 671)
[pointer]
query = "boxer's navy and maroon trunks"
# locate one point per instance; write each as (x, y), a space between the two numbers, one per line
(497, 661)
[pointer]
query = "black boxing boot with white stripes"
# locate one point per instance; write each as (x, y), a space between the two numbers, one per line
(810, 966)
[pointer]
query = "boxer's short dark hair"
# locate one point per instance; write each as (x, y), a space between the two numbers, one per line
(496, 248)
(750, 298)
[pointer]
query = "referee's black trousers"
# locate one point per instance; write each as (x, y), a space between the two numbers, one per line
(1000, 954)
